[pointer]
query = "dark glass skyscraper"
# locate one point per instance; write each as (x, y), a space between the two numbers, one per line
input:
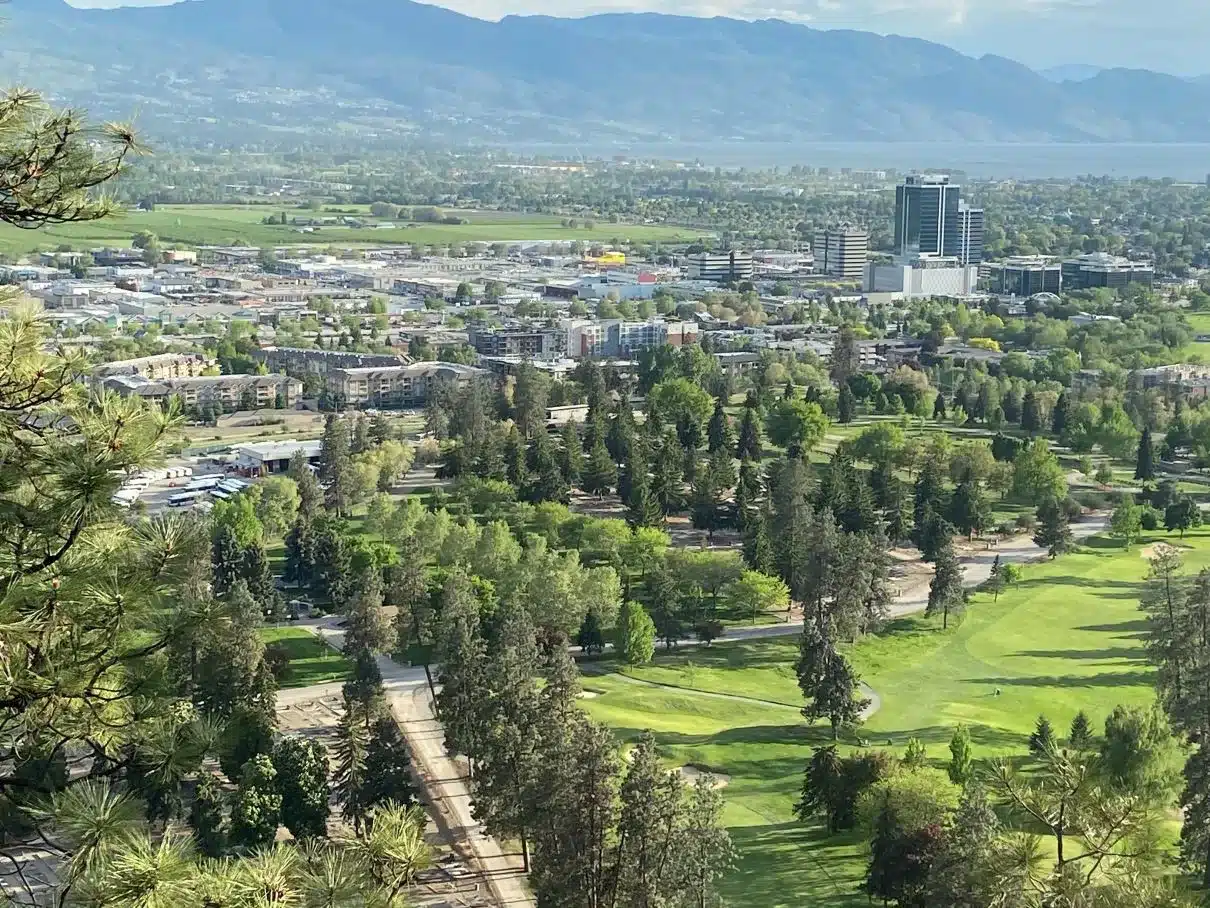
(932, 219)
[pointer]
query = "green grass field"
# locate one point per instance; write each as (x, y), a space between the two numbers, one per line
(1069, 637)
(199, 225)
(311, 660)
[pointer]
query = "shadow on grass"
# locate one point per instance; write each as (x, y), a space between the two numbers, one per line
(1119, 655)
(792, 864)
(1125, 630)
(1103, 679)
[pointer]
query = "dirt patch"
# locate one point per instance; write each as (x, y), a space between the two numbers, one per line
(588, 694)
(692, 773)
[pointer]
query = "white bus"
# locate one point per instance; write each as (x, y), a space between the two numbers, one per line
(184, 499)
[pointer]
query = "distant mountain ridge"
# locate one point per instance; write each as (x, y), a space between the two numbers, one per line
(395, 67)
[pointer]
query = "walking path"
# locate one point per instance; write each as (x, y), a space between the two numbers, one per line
(977, 570)
(444, 781)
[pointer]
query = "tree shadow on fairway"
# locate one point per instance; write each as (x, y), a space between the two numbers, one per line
(1124, 630)
(1121, 654)
(982, 735)
(1101, 679)
(790, 864)
(1102, 589)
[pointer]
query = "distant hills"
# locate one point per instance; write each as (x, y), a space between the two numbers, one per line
(235, 69)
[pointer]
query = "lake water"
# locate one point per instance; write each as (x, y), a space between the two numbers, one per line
(1026, 161)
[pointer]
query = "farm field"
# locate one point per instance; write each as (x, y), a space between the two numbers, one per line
(196, 225)
(1069, 637)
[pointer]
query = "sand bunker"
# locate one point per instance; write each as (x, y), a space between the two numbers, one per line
(1161, 548)
(692, 773)
(588, 694)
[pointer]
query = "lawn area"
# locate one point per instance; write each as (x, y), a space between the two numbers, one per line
(194, 225)
(1069, 637)
(311, 660)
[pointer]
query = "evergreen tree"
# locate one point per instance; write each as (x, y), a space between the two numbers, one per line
(515, 470)
(206, 817)
(722, 470)
(930, 498)
(507, 767)
(367, 625)
(1144, 465)
(600, 472)
(571, 455)
(461, 655)
(667, 478)
(591, 636)
(621, 437)
(1031, 413)
(1058, 420)
(1042, 740)
(718, 433)
(352, 743)
(846, 405)
(964, 873)
(748, 491)
(961, 756)
(995, 580)
(302, 782)
(704, 853)
(1080, 736)
(642, 508)
(946, 594)
(1053, 532)
(651, 798)
(705, 503)
(969, 511)
(748, 447)
(360, 442)
(336, 465)
(256, 810)
(388, 771)
(939, 407)
(836, 696)
(758, 550)
(1195, 809)
(363, 693)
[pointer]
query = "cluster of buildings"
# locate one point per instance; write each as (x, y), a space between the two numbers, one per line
(1027, 276)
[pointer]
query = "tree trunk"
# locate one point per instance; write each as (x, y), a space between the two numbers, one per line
(524, 851)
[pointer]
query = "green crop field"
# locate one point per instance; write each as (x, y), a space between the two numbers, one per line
(1069, 637)
(311, 660)
(200, 225)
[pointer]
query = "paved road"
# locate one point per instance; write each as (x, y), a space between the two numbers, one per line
(442, 777)
(976, 569)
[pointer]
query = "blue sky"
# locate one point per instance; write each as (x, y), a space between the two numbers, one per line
(1164, 35)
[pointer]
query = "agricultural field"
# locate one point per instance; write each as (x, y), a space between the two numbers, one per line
(1068, 637)
(200, 225)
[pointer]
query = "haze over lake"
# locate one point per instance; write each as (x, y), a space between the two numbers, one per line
(1026, 161)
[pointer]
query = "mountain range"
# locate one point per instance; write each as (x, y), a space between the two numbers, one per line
(237, 70)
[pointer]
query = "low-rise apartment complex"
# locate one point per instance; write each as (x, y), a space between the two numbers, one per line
(397, 387)
(157, 368)
(301, 361)
(224, 392)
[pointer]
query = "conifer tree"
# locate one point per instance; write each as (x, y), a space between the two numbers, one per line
(1144, 465)
(946, 595)
(718, 433)
(748, 447)
(571, 454)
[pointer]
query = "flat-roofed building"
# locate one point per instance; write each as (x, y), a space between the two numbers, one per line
(842, 252)
(398, 387)
(224, 392)
(158, 367)
(1023, 275)
(267, 457)
(1100, 269)
(720, 267)
(303, 361)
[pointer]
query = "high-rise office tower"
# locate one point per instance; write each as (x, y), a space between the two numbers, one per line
(842, 251)
(932, 219)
